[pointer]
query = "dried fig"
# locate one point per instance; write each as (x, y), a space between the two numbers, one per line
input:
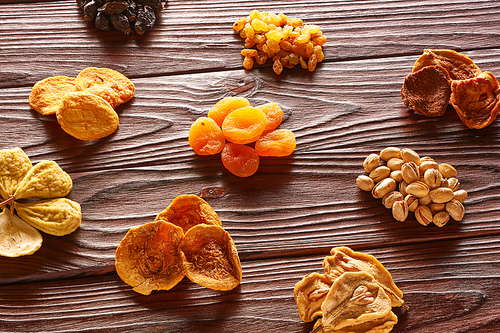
(458, 66)
(17, 238)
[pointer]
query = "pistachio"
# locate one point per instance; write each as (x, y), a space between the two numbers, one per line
(444, 182)
(441, 218)
(371, 162)
(437, 207)
(390, 152)
(455, 209)
(425, 159)
(423, 215)
(380, 173)
(395, 163)
(383, 187)
(391, 197)
(365, 183)
(424, 201)
(426, 165)
(433, 178)
(418, 189)
(447, 170)
(397, 175)
(400, 210)
(453, 183)
(460, 195)
(412, 202)
(410, 172)
(441, 194)
(408, 155)
(402, 187)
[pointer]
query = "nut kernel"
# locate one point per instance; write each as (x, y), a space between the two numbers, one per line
(402, 187)
(365, 183)
(397, 175)
(447, 170)
(408, 155)
(395, 163)
(380, 173)
(390, 198)
(410, 172)
(383, 187)
(441, 218)
(412, 202)
(371, 162)
(441, 194)
(453, 183)
(437, 207)
(460, 195)
(418, 189)
(433, 178)
(426, 165)
(390, 152)
(400, 210)
(455, 209)
(424, 201)
(423, 215)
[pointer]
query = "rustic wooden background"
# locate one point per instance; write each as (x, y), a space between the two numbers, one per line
(285, 218)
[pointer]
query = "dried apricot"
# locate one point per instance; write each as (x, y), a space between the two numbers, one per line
(148, 257)
(274, 115)
(211, 257)
(46, 94)
(186, 211)
(244, 125)
(225, 107)
(206, 137)
(240, 160)
(458, 66)
(86, 116)
(278, 143)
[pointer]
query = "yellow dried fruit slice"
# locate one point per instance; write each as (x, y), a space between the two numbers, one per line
(17, 238)
(14, 165)
(458, 66)
(47, 93)
(381, 325)
(148, 257)
(309, 293)
(188, 210)
(45, 180)
(106, 83)
(56, 217)
(211, 257)
(86, 116)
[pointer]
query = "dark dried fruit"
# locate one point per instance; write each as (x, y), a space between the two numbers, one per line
(102, 22)
(121, 23)
(145, 20)
(156, 5)
(90, 11)
(114, 7)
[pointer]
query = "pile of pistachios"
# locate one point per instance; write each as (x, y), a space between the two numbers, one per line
(407, 183)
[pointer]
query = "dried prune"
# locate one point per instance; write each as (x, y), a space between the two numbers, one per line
(114, 7)
(121, 23)
(156, 5)
(458, 66)
(90, 10)
(102, 22)
(145, 20)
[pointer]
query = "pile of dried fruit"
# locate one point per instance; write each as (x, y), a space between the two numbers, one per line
(234, 120)
(285, 40)
(442, 77)
(123, 15)
(408, 183)
(84, 106)
(186, 239)
(55, 215)
(356, 294)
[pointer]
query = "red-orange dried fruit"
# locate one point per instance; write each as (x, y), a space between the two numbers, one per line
(274, 115)
(47, 93)
(206, 137)
(244, 125)
(211, 258)
(476, 100)
(240, 160)
(458, 66)
(225, 107)
(278, 143)
(427, 91)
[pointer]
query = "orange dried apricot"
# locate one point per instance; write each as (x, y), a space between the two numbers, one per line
(240, 160)
(225, 107)
(46, 94)
(274, 115)
(206, 137)
(244, 125)
(278, 143)
(211, 258)
(186, 211)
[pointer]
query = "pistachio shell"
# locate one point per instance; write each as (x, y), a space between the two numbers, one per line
(45, 180)
(14, 165)
(17, 238)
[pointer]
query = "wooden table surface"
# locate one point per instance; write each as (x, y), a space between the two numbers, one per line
(286, 217)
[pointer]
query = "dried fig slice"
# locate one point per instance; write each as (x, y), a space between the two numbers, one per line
(458, 66)
(188, 210)
(14, 165)
(427, 91)
(56, 217)
(17, 238)
(148, 257)
(309, 293)
(476, 100)
(211, 257)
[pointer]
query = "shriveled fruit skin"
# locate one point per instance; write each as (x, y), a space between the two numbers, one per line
(240, 160)
(14, 165)
(476, 100)
(86, 116)
(225, 107)
(278, 143)
(46, 94)
(458, 66)
(206, 137)
(211, 257)
(17, 238)
(274, 115)
(309, 293)
(244, 125)
(148, 257)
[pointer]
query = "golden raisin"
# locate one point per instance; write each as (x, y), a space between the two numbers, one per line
(244, 125)
(205, 137)
(240, 160)
(248, 63)
(278, 143)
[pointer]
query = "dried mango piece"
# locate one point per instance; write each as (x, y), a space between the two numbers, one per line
(476, 100)
(188, 210)
(56, 217)
(106, 83)
(148, 257)
(17, 238)
(86, 116)
(211, 257)
(14, 165)
(309, 293)
(343, 259)
(458, 66)
(45, 180)
(46, 94)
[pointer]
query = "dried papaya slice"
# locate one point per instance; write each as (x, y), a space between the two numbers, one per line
(244, 125)
(17, 238)
(206, 137)
(148, 257)
(46, 94)
(211, 257)
(476, 100)
(309, 293)
(458, 66)
(188, 210)
(225, 106)
(427, 91)
(86, 116)
(277, 143)
(14, 165)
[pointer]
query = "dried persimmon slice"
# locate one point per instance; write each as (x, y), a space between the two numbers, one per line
(211, 257)
(148, 257)
(188, 210)
(458, 66)
(46, 94)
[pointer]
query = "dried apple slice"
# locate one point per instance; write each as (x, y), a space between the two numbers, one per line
(309, 293)
(458, 66)
(148, 257)
(17, 238)
(14, 165)
(211, 257)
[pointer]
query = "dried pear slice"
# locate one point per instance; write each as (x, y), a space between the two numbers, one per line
(148, 257)
(17, 238)
(56, 217)
(476, 100)
(45, 180)
(382, 325)
(211, 257)
(343, 259)
(14, 165)
(187, 211)
(309, 293)
(458, 66)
